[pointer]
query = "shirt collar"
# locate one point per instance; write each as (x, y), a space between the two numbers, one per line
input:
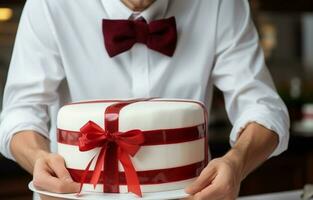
(116, 9)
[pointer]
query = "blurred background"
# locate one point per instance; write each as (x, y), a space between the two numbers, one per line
(286, 33)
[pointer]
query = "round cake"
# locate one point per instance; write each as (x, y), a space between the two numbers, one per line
(140, 145)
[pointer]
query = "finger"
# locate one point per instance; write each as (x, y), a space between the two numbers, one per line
(42, 177)
(212, 192)
(43, 180)
(53, 184)
(57, 164)
(220, 189)
(205, 179)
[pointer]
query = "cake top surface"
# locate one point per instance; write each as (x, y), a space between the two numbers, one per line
(144, 115)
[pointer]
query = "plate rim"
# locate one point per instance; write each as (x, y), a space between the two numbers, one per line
(123, 196)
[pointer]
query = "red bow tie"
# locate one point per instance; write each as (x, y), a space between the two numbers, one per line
(121, 35)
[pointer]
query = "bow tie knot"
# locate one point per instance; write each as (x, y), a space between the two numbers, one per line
(142, 31)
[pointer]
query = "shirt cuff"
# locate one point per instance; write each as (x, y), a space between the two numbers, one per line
(14, 122)
(277, 121)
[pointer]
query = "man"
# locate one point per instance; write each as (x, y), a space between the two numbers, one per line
(59, 56)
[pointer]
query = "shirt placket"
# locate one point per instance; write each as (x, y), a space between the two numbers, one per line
(140, 71)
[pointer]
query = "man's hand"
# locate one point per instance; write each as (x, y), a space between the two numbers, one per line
(50, 174)
(31, 151)
(220, 180)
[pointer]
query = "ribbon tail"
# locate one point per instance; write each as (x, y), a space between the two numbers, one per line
(99, 166)
(84, 175)
(130, 173)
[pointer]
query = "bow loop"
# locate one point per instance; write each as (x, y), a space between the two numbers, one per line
(166, 28)
(92, 136)
(91, 126)
(130, 141)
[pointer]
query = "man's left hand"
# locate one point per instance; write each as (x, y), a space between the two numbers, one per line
(220, 180)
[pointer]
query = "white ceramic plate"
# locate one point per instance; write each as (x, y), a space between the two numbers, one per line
(174, 194)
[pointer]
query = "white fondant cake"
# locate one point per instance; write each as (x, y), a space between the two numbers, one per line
(169, 160)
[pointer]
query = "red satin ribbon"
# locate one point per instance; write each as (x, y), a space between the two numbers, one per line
(115, 146)
(152, 137)
(150, 177)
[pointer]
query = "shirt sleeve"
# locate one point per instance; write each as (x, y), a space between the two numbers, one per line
(241, 74)
(34, 76)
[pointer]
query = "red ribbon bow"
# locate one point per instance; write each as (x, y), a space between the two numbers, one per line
(128, 144)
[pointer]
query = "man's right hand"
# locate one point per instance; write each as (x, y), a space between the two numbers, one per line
(31, 151)
(50, 174)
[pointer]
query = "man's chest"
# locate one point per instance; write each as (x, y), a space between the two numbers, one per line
(140, 69)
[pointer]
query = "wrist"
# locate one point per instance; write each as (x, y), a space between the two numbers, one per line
(236, 159)
(27, 147)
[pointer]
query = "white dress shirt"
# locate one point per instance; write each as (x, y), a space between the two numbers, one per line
(59, 57)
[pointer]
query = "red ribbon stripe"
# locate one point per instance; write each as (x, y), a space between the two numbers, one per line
(152, 137)
(150, 177)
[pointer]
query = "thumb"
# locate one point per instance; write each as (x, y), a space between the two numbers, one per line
(206, 177)
(57, 165)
